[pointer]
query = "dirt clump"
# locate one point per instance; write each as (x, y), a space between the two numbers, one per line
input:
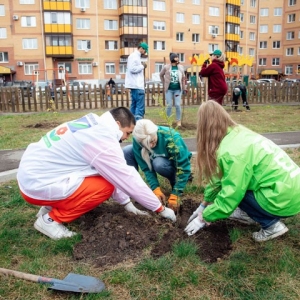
(43, 125)
(111, 235)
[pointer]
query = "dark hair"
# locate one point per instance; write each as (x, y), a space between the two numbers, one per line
(123, 115)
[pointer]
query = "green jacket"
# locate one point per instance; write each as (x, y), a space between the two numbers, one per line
(165, 147)
(248, 161)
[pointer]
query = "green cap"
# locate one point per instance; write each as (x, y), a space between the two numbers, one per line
(217, 53)
(144, 46)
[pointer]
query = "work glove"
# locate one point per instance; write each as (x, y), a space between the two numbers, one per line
(132, 209)
(198, 211)
(159, 194)
(207, 62)
(194, 226)
(144, 64)
(173, 202)
(168, 214)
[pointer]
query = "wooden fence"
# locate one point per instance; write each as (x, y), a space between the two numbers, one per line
(93, 97)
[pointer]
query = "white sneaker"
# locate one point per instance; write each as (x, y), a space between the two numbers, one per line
(270, 233)
(43, 210)
(53, 230)
(240, 216)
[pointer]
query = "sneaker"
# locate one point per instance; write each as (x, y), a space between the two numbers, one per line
(247, 108)
(53, 230)
(270, 233)
(240, 216)
(43, 210)
(178, 123)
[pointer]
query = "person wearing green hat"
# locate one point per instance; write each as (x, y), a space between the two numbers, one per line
(135, 80)
(217, 87)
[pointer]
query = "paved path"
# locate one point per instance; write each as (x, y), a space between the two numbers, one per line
(9, 159)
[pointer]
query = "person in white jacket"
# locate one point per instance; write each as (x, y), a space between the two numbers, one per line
(135, 81)
(77, 166)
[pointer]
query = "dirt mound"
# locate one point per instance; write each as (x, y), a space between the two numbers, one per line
(43, 125)
(112, 235)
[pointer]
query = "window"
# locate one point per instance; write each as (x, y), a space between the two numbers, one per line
(196, 19)
(181, 57)
(214, 11)
(3, 33)
(276, 28)
(82, 3)
(196, 2)
(232, 28)
(263, 45)
(159, 25)
(298, 50)
(122, 68)
(290, 35)
(85, 68)
(292, 2)
(179, 17)
(2, 10)
(242, 2)
(277, 11)
(159, 5)
(110, 4)
(252, 3)
(240, 50)
(28, 22)
(252, 19)
(3, 56)
(289, 51)
(213, 29)
(180, 1)
(242, 17)
(83, 45)
(291, 18)
(159, 45)
(83, 23)
(288, 70)
(231, 46)
(29, 68)
(133, 21)
(57, 18)
(251, 51)
(179, 36)
(262, 62)
(26, 1)
(263, 28)
(242, 34)
(212, 47)
(264, 12)
(111, 45)
(276, 44)
(195, 38)
(252, 36)
(110, 25)
(66, 65)
(158, 67)
(58, 40)
(29, 43)
(275, 61)
(110, 68)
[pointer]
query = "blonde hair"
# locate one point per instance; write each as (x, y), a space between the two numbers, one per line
(212, 124)
(221, 58)
(144, 132)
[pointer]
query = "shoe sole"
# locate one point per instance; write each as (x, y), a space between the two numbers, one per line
(273, 236)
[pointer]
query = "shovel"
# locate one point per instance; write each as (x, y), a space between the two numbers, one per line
(71, 283)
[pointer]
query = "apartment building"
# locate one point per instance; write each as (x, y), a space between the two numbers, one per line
(91, 40)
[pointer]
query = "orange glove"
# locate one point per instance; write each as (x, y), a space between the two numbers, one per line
(173, 202)
(159, 194)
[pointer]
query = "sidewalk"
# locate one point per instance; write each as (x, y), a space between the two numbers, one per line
(10, 159)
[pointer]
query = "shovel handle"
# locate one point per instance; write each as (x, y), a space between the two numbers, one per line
(30, 277)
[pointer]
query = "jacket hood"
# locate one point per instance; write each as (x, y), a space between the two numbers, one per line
(220, 63)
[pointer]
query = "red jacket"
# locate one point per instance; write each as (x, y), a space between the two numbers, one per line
(217, 87)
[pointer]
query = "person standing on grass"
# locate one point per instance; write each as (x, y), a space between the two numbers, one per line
(77, 166)
(240, 90)
(135, 81)
(173, 78)
(160, 150)
(217, 86)
(245, 170)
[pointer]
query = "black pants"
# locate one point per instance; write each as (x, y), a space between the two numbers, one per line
(235, 101)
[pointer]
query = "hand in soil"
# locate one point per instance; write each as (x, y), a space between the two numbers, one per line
(194, 226)
(173, 203)
(197, 212)
(168, 213)
(132, 209)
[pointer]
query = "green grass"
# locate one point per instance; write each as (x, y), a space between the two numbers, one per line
(253, 271)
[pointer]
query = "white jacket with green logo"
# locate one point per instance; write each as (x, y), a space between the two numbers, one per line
(249, 161)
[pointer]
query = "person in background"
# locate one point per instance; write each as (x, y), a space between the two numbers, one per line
(160, 150)
(244, 170)
(108, 92)
(173, 78)
(239, 90)
(135, 80)
(217, 86)
(77, 166)
(112, 85)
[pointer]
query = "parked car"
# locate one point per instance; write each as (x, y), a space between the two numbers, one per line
(268, 81)
(73, 85)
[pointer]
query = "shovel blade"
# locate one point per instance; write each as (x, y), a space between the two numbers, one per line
(78, 284)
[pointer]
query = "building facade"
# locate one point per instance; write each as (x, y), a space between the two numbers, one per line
(91, 40)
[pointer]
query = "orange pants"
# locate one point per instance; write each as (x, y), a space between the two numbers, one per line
(93, 191)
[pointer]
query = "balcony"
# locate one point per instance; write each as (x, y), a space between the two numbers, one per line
(61, 51)
(57, 5)
(58, 28)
